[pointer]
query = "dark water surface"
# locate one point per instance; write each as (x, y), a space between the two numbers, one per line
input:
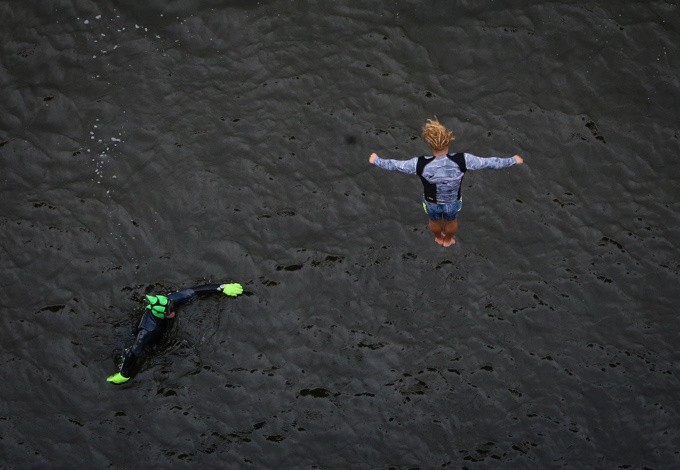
(153, 145)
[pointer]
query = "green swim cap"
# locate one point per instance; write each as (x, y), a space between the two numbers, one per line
(157, 304)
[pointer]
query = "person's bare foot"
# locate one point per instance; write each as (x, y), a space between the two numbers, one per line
(439, 240)
(448, 242)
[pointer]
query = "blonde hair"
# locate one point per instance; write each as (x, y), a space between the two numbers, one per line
(436, 135)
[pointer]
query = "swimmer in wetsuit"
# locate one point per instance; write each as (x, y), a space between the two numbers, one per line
(442, 174)
(158, 316)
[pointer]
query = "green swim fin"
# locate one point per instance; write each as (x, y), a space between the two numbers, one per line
(117, 378)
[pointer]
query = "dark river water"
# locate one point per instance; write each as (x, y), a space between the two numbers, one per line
(154, 145)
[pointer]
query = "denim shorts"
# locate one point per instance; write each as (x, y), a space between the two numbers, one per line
(437, 211)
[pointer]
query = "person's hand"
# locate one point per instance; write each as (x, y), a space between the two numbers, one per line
(373, 158)
(519, 160)
(232, 290)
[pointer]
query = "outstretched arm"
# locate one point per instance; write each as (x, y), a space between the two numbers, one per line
(404, 166)
(474, 162)
(187, 295)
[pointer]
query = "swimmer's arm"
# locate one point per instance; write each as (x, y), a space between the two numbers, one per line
(187, 295)
(474, 162)
(403, 166)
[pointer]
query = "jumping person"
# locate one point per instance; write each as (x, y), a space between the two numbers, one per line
(442, 174)
(158, 317)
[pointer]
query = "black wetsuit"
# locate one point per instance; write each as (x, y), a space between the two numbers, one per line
(151, 328)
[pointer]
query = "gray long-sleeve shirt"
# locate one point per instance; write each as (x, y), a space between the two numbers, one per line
(443, 172)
